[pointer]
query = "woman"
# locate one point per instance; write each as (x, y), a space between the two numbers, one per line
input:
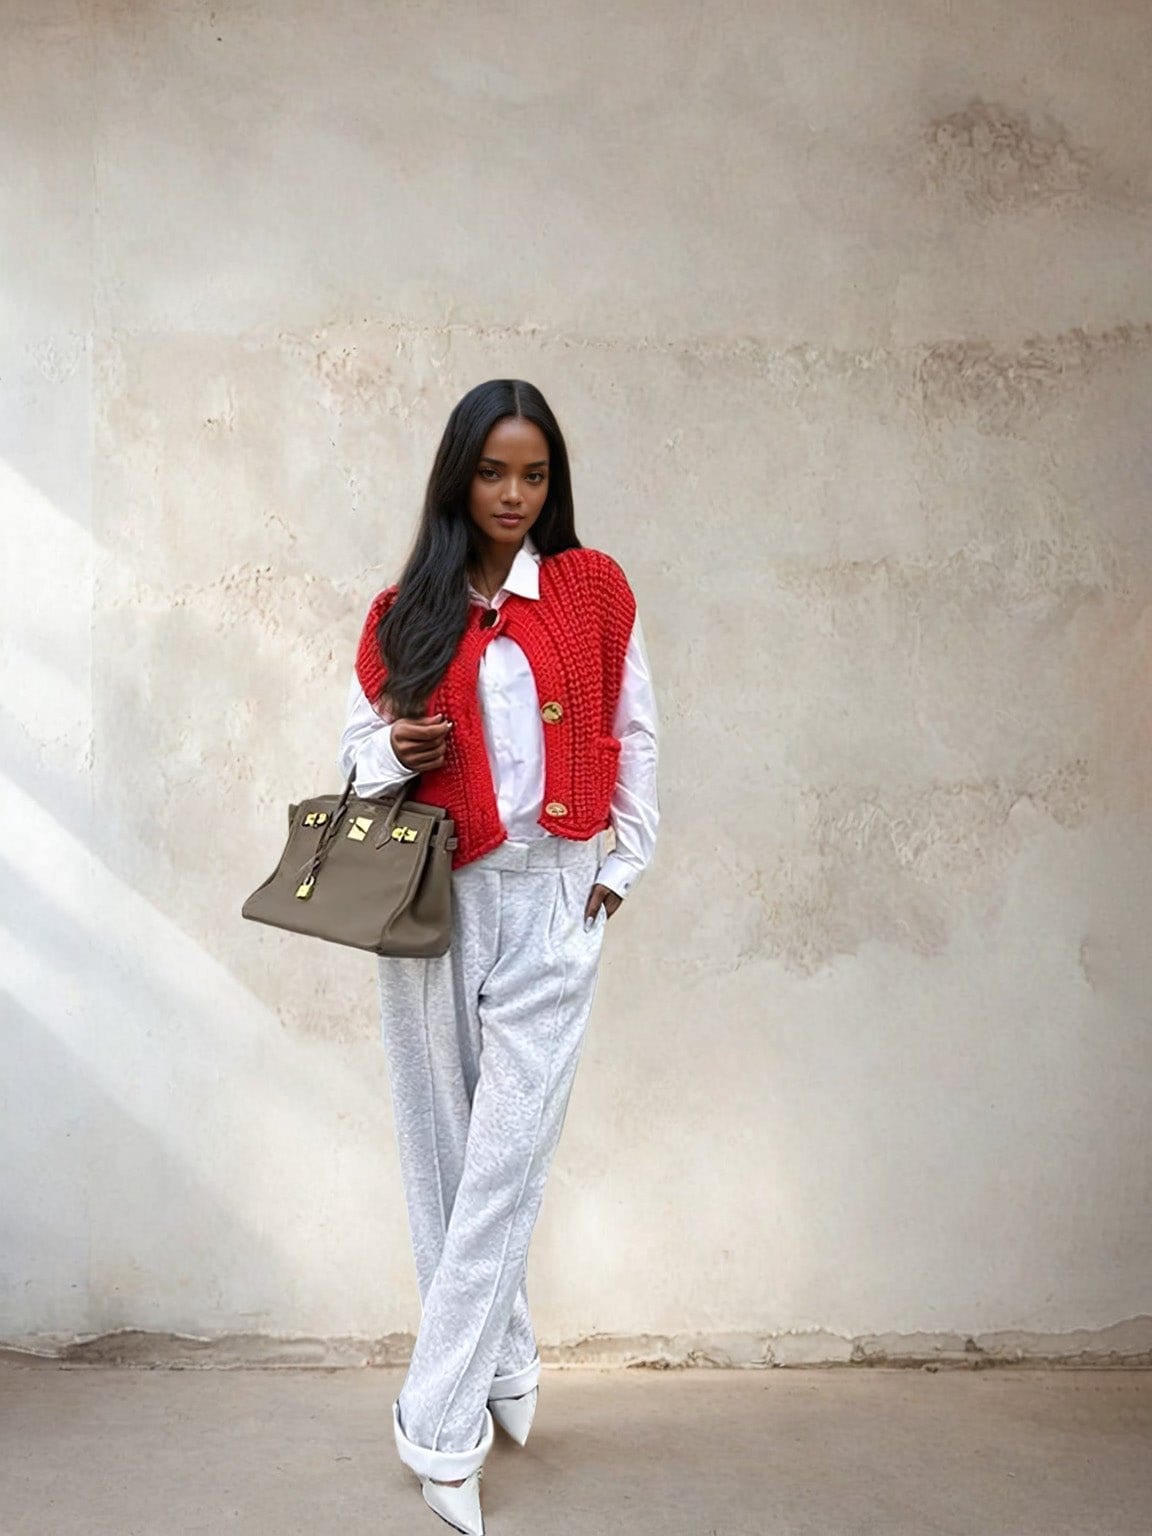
(507, 670)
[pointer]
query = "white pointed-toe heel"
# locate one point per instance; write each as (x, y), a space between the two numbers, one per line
(459, 1506)
(515, 1414)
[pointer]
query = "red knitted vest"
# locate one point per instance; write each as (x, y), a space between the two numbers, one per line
(575, 636)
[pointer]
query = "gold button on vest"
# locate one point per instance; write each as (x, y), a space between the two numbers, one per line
(556, 808)
(552, 711)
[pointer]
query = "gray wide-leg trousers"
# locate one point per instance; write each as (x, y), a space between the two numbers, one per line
(482, 1046)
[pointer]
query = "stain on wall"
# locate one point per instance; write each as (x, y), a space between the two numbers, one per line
(1001, 161)
(1006, 391)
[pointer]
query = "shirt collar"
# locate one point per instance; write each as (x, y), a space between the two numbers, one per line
(524, 577)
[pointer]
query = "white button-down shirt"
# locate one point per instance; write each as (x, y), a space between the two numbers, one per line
(514, 738)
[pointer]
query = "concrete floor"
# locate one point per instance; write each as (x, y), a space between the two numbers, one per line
(104, 1451)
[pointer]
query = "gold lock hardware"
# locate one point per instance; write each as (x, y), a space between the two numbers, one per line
(552, 711)
(315, 818)
(359, 829)
(304, 890)
(404, 834)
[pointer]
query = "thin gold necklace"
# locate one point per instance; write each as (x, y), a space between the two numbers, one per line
(482, 583)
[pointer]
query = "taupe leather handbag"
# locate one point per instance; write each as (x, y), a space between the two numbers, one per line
(374, 874)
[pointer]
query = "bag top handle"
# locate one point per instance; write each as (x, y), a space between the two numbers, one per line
(311, 868)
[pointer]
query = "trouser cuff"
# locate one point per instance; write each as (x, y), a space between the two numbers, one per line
(446, 1466)
(516, 1384)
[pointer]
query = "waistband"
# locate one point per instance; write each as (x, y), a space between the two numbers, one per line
(547, 852)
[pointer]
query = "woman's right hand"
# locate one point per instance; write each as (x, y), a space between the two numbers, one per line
(419, 744)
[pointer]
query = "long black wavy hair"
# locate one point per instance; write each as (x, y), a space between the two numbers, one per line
(419, 633)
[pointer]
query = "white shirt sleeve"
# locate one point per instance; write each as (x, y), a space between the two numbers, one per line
(635, 801)
(366, 745)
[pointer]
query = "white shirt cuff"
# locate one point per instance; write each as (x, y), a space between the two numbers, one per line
(617, 874)
(378, 769)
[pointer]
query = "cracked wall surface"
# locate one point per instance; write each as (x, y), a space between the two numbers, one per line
(846, 313)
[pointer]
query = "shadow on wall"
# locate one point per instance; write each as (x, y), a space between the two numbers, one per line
(163, 1137)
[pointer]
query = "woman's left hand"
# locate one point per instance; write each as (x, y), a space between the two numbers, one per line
(599, 896)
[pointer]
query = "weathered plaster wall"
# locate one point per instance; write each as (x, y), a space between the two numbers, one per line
(846, 311)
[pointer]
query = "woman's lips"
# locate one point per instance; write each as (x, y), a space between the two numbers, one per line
(509, 517)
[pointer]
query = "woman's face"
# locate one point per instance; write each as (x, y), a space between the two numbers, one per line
(510, 484)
